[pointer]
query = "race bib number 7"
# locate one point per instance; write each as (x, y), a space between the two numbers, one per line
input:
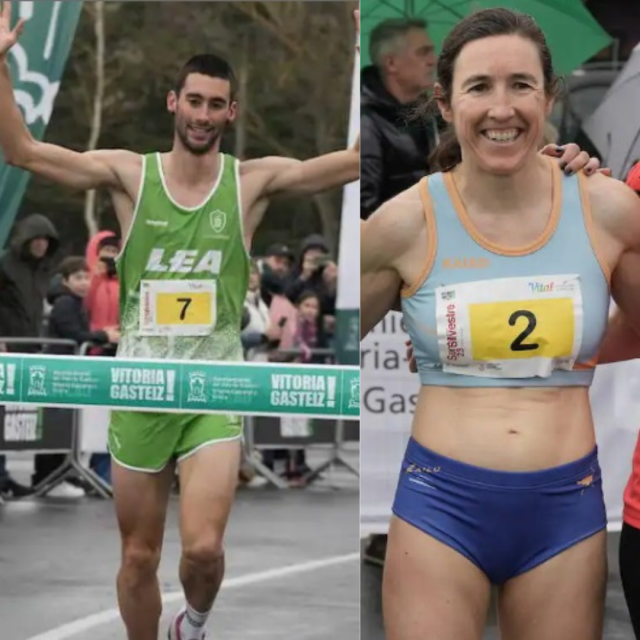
(177, 307)
(511, 327)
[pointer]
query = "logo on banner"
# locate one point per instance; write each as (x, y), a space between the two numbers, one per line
(37, 377)
(35, 92)
(354, 393)
(35, 108)
(197, 382)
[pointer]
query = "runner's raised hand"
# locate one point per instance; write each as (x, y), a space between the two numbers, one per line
(8, 37)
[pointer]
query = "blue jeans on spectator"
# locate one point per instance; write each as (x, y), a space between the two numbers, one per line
(100, 464)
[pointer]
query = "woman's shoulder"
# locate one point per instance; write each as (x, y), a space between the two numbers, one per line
(392, 231)
(401, 214)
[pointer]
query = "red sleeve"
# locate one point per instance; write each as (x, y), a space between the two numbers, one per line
(91, 295)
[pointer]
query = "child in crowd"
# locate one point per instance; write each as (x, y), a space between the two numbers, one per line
(306, 336)
(306, 339)
(69, 320)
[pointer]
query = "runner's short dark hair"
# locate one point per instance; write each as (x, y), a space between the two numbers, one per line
(207, 64)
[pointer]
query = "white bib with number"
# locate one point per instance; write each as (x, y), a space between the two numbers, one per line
(510, 327)
(177, 307)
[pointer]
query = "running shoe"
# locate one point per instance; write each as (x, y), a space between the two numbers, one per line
(174, 627)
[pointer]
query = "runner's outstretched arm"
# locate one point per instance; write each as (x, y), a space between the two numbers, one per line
(622, 214)
(621, 342)
(288, 177)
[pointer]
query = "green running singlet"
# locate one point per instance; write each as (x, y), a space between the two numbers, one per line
(183, 279)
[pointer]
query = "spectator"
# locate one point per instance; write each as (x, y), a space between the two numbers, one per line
(259, 333)
(275, 269)
(69, 321)
(307, 273)
(102, 299)
(284, 315)
(103, 305)
(259, 336)
(25, 269)
(306, 337)
(306, 340)
(316, 272)
(328, 300)
(394, 148)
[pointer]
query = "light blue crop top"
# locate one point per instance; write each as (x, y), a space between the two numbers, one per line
(488, 316)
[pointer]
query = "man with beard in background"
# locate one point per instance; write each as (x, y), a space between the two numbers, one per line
(187, 218)
(274, 271)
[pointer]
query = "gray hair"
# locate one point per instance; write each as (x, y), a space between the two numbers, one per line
(389, 37)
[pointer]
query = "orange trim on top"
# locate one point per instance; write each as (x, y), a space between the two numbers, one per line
(432, 239)
(587, 213)
(475, 234)
(590, 364)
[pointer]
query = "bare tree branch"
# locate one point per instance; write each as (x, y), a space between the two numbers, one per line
(96, 121)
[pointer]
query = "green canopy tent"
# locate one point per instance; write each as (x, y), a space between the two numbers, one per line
(571, 31)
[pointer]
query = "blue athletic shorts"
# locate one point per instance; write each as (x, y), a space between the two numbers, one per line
(506, 523)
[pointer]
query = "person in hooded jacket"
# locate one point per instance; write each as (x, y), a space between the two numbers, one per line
(102, 301)
(69, 320)
(394, 147)
(25, 269)
(103, 304)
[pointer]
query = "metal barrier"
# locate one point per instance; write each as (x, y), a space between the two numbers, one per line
(43, 430)
(266, 432)
(104, 490)
(268, 435)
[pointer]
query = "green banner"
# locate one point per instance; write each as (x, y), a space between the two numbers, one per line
(37, 63)
(175, 386)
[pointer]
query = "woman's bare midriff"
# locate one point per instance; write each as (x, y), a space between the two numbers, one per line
(524, 429)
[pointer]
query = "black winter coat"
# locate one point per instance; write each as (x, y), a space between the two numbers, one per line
(394, 146)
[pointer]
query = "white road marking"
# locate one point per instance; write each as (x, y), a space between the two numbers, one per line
(82, 625)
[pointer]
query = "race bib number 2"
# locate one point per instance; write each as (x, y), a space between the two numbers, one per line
(510, 327)
(177, 307)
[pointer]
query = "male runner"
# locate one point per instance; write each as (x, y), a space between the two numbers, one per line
(187, 218)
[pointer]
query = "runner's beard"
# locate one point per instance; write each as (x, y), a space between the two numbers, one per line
(200, 149)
